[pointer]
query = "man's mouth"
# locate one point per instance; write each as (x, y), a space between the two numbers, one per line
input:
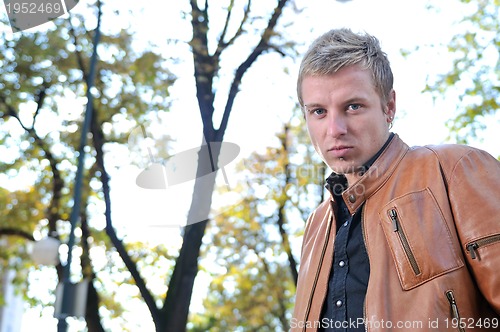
(340, 151)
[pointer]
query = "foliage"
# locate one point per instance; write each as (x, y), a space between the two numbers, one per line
(475, 76)
(18, 218)
(43, 83)
(43, 80)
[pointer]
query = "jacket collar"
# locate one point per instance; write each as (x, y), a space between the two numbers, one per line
(376, 175)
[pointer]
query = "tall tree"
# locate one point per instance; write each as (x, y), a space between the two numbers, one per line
(207, 64)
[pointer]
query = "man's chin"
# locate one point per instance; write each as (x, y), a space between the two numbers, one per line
(346, 170)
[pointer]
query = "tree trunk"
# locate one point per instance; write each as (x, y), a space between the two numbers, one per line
(176, 307)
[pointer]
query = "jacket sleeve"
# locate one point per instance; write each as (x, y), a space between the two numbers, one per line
(474, 194)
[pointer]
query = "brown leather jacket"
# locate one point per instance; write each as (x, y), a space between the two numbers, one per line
(431, 225)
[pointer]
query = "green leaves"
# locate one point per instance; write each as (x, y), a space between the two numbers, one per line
(42, 99)
(476, 73)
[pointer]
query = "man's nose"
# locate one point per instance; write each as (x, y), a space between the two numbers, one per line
(337, 125)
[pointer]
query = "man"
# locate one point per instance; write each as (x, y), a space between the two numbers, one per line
(410, 238)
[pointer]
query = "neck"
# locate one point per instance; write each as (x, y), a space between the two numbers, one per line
(353, 177)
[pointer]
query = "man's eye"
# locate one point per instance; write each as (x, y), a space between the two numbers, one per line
(319, 111)
(353, 107)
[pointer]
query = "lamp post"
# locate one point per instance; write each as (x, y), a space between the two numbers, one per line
(67, 300)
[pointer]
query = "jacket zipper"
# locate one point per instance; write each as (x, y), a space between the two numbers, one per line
(454, 309)
(323, 250)
(474, 246)
(393, 214)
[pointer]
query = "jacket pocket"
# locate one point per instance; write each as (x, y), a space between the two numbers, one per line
(419, 238)
(473, 248)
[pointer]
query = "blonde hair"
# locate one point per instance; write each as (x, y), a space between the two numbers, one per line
(339, 48)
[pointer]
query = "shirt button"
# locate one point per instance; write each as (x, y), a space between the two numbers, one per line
(338, 303)
(352, 198)
(341, 263)
(346, 223)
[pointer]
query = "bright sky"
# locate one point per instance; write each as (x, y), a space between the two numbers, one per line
(266, 100)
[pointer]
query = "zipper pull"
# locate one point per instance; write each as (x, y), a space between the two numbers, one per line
(454, 309)
(472, 247)
(394, 218)
(453, 303)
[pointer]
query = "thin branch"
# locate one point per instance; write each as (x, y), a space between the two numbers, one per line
(262, 46)
(222, 36)
(277, 50)
(79, 57)
(39, 101)
(11, 111)
(281, 210)
(98, 139)
(194, 5)
(205, 11)
(53, 213)
(98, 142)
(17, 232)
(223, 45)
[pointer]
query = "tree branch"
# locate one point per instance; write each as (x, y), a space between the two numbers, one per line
(53, 210)
(79, 57)
(205, 66)
(262, 46)
(281, 210)
(16, 232)
(11, 111)
(223, 45)
(39, 101)
(277, 50)
(98, 139)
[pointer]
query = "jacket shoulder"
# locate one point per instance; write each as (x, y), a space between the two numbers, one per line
(449, 155)
(459, 161)
(453, 151)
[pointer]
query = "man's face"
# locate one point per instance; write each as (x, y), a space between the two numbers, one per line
(345, 119)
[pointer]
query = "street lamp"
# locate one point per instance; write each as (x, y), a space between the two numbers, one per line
(46, 252)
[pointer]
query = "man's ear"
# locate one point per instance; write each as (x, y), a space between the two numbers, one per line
(391, 106)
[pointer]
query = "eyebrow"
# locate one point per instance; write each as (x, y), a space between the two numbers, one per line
(313, 105)
(352, 100)
(356, 100)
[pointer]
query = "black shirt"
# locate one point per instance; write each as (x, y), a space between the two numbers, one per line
(344, 304)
